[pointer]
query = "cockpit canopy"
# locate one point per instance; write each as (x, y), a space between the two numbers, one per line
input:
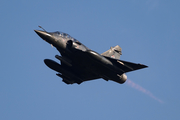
(65, 35)
(62, 34)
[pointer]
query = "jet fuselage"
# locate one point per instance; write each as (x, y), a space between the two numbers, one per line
(79, 63)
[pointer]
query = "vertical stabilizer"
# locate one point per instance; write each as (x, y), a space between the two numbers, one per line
(113, 52)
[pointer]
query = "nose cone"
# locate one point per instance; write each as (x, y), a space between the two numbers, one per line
(43, 34)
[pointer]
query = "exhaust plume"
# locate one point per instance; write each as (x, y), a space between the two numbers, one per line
(143, 90)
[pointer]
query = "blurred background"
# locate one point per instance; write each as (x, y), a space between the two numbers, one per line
(146, 30)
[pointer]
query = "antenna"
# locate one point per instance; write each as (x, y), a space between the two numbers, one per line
(42, 28)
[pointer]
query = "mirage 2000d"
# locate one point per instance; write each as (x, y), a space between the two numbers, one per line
(79, 63)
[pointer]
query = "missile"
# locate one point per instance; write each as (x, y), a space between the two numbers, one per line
(53, 65)
(63, 60)
(58, 68)
(65, 79)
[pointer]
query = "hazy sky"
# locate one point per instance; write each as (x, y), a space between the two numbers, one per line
(148, 31)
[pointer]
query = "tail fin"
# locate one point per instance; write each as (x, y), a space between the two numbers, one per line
(114, 52)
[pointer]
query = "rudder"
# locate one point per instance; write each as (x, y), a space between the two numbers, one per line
(114, 52)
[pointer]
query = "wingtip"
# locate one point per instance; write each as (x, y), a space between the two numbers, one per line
(144, 66)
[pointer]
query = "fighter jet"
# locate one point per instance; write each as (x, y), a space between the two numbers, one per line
(79, 63)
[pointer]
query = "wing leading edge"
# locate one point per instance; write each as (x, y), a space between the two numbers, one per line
(125, 65)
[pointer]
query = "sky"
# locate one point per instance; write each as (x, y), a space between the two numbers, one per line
(148, 31)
